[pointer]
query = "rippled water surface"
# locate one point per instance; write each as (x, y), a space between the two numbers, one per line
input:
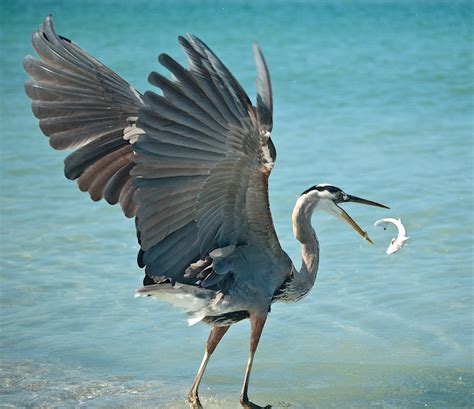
(373, 96)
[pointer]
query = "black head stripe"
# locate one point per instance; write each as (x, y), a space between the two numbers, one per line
(309, 190)
(331, 189)
(322, 188)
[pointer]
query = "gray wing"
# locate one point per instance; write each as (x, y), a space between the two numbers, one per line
(82, 104)
(202, 172)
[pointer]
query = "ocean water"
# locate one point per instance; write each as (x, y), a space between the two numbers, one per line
(373, 96)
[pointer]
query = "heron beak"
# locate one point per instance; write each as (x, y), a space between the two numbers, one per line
(343, 215)
(356, 199)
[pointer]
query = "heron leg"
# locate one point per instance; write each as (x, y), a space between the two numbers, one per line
(256, 325)
(214, 337)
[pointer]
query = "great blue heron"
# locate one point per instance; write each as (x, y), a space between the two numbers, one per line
(192, 166)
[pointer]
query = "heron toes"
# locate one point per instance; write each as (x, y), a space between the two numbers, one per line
(195, 405)
(250, 405)
(194, 402)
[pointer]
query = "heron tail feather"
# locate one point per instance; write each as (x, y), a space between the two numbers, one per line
(191, 299)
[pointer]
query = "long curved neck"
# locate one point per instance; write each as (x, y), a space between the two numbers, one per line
(303, 280)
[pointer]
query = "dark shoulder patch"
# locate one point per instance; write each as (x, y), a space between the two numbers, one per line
(65, 39)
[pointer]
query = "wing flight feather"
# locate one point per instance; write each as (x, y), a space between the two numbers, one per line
(81, 104)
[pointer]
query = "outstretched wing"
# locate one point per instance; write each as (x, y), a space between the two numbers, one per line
(82, 104)
(202, 168)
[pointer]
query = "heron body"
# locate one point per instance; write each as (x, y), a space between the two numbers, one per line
(191, 165)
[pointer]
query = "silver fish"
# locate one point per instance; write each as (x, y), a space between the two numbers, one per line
(398, 242)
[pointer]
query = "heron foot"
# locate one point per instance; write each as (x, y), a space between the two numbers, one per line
(244, 401)
(194, 401)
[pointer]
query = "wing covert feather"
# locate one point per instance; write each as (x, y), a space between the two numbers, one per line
(202, 165)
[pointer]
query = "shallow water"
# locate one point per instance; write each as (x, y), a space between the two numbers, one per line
(374, 97)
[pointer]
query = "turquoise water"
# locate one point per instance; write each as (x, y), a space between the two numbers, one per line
(373, 96)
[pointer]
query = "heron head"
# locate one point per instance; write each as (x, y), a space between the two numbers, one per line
(327, 198)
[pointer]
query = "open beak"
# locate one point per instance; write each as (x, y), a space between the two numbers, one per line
(343, 214)
(356, 199)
